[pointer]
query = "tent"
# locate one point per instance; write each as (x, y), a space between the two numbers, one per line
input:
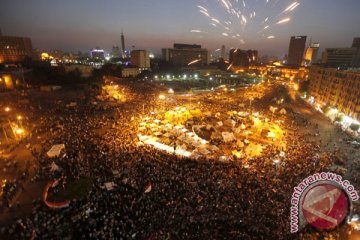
(109, 185)
(54, 167)
(55, 150)
(223, 159)
(229, 123)
(202, 149)
(283, 111)
(216, 135)
(228, 137)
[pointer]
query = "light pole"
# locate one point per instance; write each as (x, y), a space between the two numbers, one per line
(251, 99)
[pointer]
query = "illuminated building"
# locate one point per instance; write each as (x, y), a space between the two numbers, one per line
(14, 49)
(296, 50)
(97, 53)
(140, 59)
(311, 53)
(184, 54)
(130, 72)
(12, 79)
(241, 58)
(336, 88)
(287, 72)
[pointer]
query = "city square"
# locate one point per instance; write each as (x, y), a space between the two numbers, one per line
(240, 129)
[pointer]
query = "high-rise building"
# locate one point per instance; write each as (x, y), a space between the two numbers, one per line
(356, 42)
(115, 51)
(223, 49)
(14, 49)
(123, 45)
(311, 53)
(356, 45)
(243, 58)
(296, 50)
(336, 88)
(186, 54)
(140, 59)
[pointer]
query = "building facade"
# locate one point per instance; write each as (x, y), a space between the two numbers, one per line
(184, 54)
(338, 56)
(311, 53)
(97, 53)
(296, 50)
(115, 52)
(14, 49)
(336, 88)
(348, 57)
(140, 59)
(242, 58)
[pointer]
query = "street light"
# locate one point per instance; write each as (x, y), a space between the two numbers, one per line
(7, 109)
(19, 131)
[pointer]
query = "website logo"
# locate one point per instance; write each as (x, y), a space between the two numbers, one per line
(322, 200)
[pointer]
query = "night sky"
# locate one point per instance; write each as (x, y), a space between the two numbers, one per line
(152, 24)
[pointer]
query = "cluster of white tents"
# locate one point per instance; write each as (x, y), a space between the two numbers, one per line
(163, 135)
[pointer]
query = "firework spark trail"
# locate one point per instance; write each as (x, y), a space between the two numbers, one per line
(283, 21)
(195, 61)
(232, 18)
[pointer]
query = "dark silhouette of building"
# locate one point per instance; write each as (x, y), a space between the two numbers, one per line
(123, 45)
(115, 51)
(356, 42)
(342, 57)
(223, 49)
(242, 58)
(186, 54)
(296, 50)
(15, 49)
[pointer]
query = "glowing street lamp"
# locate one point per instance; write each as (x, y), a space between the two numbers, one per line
(171, 90)
(19, 131)
(19, 117)
(162, 97)
(7, 109)
(296, 87)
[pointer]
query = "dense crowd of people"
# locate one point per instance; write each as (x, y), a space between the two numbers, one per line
(159, 195)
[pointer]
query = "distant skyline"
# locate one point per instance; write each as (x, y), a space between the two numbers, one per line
(84, 24)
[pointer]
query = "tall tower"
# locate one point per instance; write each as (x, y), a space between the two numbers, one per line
(223, 52)
(123, 44)
(296, 50)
